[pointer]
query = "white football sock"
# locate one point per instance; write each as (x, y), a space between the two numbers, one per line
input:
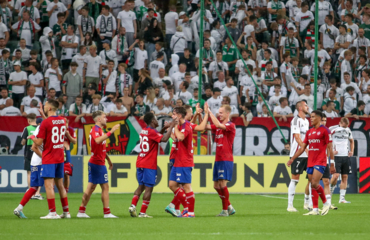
(20, 207)
(342, 194)
(328, 198)
(310, 192)
(291, 191)
(332, 188)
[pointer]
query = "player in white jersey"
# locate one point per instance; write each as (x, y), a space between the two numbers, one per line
(36, 180)
(298, 128)
(341, 136)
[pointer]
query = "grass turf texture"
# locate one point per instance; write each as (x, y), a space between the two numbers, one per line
(257, 217)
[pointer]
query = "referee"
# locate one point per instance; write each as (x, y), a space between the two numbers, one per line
(28, 131)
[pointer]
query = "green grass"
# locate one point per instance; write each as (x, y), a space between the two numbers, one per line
(257, 217)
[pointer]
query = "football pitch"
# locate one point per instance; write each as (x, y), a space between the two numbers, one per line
(257, 217)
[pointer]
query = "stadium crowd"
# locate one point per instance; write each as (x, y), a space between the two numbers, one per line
(129, 57)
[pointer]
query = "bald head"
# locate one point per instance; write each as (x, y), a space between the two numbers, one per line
(9, 102)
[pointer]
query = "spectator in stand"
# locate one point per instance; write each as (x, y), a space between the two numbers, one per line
(207, 93)
(23, 48)
(127, 100)
(53, 77)
(6, 67)
(231, 91)
(283, 89)
(47, 42)
(51, 95)
(17, 80)
(178, 42)
(72, 84)
(87, 97)
(127, 19)
(144, 82)
(107, 54)
(69, 46)
(160, 110)
(140, 109)
(214, 102)
(339, 93)
(184, 95)
(9, 109)
(350, 100)
(119, 44)
(95, 106)
(118, 109)
(77, 109)
(141, 57)
(195, 100)
(286, 150)
(159, 48)
(330, 110)
(4, 92)
(220, 82)
(62, 111)
(331, 98)
(283, 111)
(109, 81)
(307, 95)
(36, 79)
(26, 101)
(265, 112)
(188, 60)
(154, 66)
(34, 108)
(274, 100)
(26, 28)
(358, 112)
(55, 7)
(347, 82)
(106, 24)
(92, 68)
(153, 35)
(216, 66)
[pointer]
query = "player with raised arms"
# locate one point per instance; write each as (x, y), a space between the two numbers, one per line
(298, 128)
(184, 162)
(341, 135)
(146, 163)
(51, 134)
(318, 140)
(224, 162)
(36, 180)
(97, 170)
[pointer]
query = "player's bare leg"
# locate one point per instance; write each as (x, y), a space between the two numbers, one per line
(317, 191)
(105, 200)
(38, 194)
(343, 189)
(85, 200)
(179, 196)
(132, 209)
(190, 199)
(146, 200)
(291, 192)
(50, 196)
(66, 182)
(29, 179)
(333, 182)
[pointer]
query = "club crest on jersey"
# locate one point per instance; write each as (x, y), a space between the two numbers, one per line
(318, 133)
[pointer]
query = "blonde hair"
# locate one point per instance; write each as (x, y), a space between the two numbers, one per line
(227, 108)
(145, 73)
(150, 95)
(96, 96)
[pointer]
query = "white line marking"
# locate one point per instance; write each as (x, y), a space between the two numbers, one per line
(268, 196)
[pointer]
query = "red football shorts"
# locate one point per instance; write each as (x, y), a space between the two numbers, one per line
(68, 168)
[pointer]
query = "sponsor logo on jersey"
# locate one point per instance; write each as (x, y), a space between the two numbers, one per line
(313, 141)
(58, 146)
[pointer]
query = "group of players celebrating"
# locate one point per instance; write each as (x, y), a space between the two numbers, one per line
(310, 148)
(52, 138)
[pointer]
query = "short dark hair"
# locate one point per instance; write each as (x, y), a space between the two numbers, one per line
(318, 113)
(148, 118)
(106, 7)
(33, 52)
(282, 99)
(328, 103)
(31, 116)
(54, 103)
(360, 103)
(180, 110)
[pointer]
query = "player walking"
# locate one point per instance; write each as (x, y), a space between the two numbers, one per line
(341, 135)
(36, 180)
(184, 163)
(146, 163)
(51, 135)
(298, 128)
(319, 140)
(97, 170)
(224, 162)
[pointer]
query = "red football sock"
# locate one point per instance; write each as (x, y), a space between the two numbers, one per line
(144, 206)
(315, 198)
(135, 199)
(106, 210)
(226, 201)
(82, 210)
(67, 189)
(181, 196)
(177, 205)
(27, 196)
(51, 204)
(321, 193)
(190, 198)
(65, 204)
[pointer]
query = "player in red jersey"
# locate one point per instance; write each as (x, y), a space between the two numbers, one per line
(184, 163)
(51, 135)
(318, 139)
(224, 162)
(97, 170)
(146, 163)
(196, 128)
(68, 166)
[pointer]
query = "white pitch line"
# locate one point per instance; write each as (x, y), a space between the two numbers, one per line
(268, 196)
